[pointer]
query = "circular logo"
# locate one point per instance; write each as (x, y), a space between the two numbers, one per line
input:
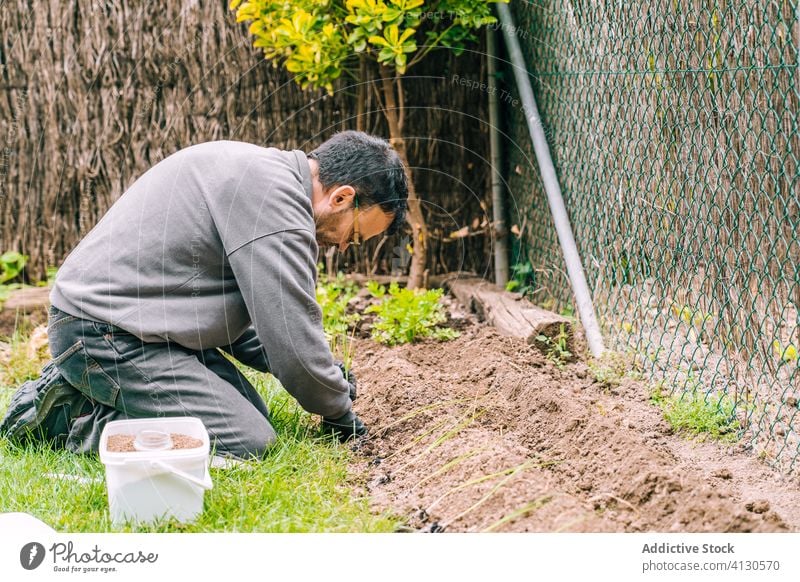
(31, 555)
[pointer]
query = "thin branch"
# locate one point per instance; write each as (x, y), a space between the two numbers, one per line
(374, 263)
(421, 55)
(401, 104)
(374, 84)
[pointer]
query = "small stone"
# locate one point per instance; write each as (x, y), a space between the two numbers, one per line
(779, 430)
(791, 401)
(722, 474)
(759, 506)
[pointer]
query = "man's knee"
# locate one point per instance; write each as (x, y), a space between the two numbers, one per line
(252, 441)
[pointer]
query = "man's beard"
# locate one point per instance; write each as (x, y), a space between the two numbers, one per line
(326, 228)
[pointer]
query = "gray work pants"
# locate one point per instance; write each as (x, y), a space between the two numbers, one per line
(124, 377)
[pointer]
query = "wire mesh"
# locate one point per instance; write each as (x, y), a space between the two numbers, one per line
(673, 126)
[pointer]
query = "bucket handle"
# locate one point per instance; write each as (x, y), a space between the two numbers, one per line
(205, 482)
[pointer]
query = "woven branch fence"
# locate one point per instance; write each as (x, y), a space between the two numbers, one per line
(93, 93)
(673, 126)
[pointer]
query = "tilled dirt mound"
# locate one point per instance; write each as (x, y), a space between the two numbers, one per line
(484, 433)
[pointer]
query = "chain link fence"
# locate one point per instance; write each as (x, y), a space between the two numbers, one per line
(674, 130)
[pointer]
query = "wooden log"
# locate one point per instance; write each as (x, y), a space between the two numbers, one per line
(510, 313)
(27, 299)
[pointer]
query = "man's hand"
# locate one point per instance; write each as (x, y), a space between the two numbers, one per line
(345, 427)
(350, 377)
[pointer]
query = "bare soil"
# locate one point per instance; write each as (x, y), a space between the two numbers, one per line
(484, 433)
(123, 443)
(14, 319)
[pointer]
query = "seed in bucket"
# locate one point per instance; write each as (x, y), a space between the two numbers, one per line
(124, 443)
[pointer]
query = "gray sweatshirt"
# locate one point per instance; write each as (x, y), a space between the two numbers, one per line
(214, 244)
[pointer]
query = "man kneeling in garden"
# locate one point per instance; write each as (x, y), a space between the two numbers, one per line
(214, 248)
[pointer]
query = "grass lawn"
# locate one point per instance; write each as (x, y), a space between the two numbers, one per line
(303, 484)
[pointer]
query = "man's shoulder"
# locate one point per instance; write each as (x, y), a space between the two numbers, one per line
(242, 159)
(257, 190)
(234, 148)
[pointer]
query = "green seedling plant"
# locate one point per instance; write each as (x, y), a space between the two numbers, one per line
(333, 296)
(522, 278)
(698, 413)
(612, 367)
(556, 348)
(405, 315)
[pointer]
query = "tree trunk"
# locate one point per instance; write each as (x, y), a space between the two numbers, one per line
(361, 96)
(394, 112)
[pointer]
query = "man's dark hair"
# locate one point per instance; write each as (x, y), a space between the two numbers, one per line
(371, 166)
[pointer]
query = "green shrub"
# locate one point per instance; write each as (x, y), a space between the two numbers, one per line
(11, 265)
(405, 315)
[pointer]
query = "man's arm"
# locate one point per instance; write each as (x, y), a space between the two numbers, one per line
(276, 276)
(248, 350)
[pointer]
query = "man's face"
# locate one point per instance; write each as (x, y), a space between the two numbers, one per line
(334, 215)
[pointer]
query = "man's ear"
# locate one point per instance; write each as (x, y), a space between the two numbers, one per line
(341, 196)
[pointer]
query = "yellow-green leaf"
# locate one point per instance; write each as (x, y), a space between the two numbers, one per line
(391, 34)
(408, 32)
(378, 40)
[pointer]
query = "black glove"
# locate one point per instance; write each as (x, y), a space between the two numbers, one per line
(345, 427)
(350, 377)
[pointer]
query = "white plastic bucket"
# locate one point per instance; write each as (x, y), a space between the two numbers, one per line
(151, 484)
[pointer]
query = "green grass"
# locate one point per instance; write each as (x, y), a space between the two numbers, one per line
(302, 485)
(698, 413)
